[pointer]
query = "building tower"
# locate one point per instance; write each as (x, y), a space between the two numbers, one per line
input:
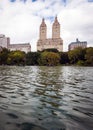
(50, 43)
(43, 30)
(56, 29)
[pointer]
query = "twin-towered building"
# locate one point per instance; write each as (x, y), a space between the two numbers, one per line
(43, 43)
(50, 43)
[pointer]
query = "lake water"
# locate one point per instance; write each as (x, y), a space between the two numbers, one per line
(46, 98)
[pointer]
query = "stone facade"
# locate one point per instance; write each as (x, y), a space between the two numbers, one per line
(5, 43)
(73, 45)
(48, 43)
(22, 47)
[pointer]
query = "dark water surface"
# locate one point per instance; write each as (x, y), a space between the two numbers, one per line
(46, 98)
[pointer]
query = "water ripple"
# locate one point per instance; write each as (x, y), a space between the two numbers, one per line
(50, 98)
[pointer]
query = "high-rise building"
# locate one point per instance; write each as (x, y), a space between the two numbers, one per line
(50, 43)
(73, 45)
(5, 43)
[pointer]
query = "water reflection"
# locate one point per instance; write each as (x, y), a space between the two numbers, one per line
(49, 85)
(51, 98)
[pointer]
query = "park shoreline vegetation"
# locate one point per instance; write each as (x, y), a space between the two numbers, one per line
(47, 57)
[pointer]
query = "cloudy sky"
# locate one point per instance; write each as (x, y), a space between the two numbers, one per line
(20, 20)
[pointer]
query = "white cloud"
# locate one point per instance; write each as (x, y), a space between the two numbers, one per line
(20, 21)
(77, 22)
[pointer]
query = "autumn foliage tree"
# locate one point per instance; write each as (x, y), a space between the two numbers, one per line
(16, 58)
(49, 59)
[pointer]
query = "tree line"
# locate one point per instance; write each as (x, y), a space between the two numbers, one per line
(48, 57)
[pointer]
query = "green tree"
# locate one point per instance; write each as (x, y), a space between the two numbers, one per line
(3, 56)
(64, 59)
(16, 58)
(49, 59)
(51, 50)
(76, 55)
(89, 56)
(32, 58)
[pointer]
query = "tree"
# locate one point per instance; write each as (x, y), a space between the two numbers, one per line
(51, 50)
(3, 56)
(32, 58)
(89, 56)
(76, 55)
(49, 59)
(64, 58)
(16, 58)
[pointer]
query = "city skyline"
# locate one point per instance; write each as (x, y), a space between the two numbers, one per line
(20, 20)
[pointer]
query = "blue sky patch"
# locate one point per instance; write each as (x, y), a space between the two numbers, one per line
(51, 18)
(90, 0)
(20, 0)
(34, 0)
(12, 0)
